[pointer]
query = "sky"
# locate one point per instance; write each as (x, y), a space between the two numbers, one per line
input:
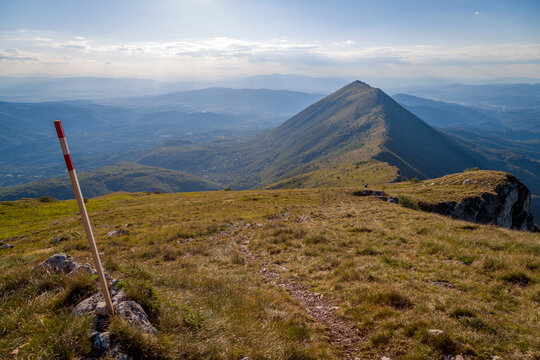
(222, 39)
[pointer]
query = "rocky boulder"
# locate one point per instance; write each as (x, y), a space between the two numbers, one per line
(95, 305)
(508, 207)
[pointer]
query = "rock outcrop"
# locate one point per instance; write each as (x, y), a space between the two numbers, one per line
(95, 305)
(509, 207)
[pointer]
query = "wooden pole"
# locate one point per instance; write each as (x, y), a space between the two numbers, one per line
(84, 215)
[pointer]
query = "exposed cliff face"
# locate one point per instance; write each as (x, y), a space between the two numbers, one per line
(509, 207)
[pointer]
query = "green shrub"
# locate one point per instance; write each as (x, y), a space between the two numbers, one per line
(47, 199)
(467, 259)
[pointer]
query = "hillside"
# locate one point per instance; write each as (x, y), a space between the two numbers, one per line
(122, 176)
(361, 173)
(355, 123)
(101, 134)
(274, 274)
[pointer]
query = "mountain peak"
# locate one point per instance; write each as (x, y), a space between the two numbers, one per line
(357, 84)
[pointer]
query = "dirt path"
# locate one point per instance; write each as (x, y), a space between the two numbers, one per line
(342, 333)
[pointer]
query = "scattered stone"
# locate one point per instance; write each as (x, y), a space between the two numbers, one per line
(59, 263)
(118, 353)
(442, 283)
(89, 305)
(393, 200)
(367, 192)
(435, 332)
(61, 238)
(6, 246)
(101, 341)
(385, 358)
(67, 265)
(458, 357)
(245, 358)
(183, 241)
(101, 309)
(135, 315)
(117, 232)
(469, 181)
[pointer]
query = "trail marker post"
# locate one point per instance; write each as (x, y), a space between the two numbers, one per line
(84, 214)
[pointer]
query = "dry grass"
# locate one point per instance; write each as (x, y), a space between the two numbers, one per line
(452, 187)
(395, 272)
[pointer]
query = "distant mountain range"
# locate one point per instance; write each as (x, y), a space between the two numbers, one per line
(123, 176)
(492, 96)
(338, 134)
(39, 89)
(102, 134)
(498, 139)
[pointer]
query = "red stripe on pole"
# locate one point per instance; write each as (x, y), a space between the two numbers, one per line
(59, 129)
(69, 162)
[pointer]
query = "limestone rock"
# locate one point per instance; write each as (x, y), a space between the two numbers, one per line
(117, 232)
(66, 264)
(368, 192)
(135, 315)
(435, 332)
(89, 305)
(509, 207)
(101, 341)
(59, 263)
(101, 309)
(118, 353)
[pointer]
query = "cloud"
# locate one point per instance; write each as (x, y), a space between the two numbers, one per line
(476, 13)
(30, 51)
(14, 55)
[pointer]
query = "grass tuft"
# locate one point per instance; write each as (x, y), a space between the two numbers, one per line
(143, 293)
(393, 298)
(518, 278)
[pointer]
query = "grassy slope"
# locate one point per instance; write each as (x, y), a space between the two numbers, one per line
(120, 176)
(449, 187)
(344, 175)
(395, 273)
(355, 123)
